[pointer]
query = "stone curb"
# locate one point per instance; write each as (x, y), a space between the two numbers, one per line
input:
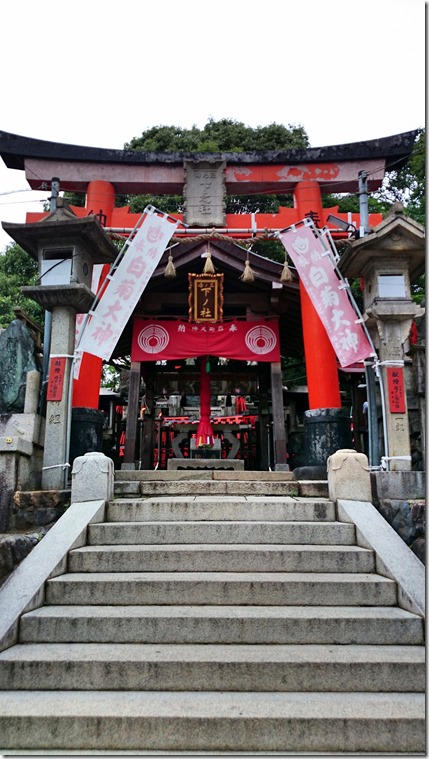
(24, 589)
(394, 559)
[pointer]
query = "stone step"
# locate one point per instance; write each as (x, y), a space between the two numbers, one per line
(94, 666)
(212, 721)
(293, 488)
(165, 475)
(218, 557)
(213, 508)
(268, 588)
(342, 625)
(136, 533)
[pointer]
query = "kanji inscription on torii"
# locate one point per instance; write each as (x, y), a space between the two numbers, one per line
(205, 297)
(204, 193)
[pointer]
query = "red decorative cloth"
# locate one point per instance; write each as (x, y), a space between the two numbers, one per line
(204, 434)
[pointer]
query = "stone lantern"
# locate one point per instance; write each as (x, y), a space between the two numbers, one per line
(389, 260)
(66, 248)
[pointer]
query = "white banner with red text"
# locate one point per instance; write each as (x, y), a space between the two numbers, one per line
(327, 293)
(126, 286)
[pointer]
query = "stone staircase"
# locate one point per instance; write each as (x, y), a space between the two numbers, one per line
(217, 612)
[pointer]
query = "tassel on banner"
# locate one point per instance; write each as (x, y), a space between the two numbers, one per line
(170, 269)
(248, 275)
(286, 275)
(208, 266)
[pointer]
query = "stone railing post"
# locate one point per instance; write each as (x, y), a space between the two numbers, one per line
(92, 478)
(349, 476)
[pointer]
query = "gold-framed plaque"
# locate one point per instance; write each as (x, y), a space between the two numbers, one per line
(205, 297)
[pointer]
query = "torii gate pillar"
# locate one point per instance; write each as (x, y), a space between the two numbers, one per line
(320, 359)
(100, 200)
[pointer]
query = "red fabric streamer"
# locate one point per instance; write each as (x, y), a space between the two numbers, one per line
(205, 430)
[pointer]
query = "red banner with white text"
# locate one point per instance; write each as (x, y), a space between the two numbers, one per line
(173, 339)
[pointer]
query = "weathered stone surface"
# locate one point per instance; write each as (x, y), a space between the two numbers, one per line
(24, 589)
(14, 548)
(326, 430)
(406, 517)
(348, 476)
(6, 557)
(36, 508)
(419, 548)
(92, 478)
(310, 473)
(18, 358)
(398, 485)
(394, 559)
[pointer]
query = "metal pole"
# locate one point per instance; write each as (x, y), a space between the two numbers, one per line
(55, 189)
(363, 203)
(373, 440)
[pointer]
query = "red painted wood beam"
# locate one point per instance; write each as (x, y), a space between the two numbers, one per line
(169, 179)
(121, 218)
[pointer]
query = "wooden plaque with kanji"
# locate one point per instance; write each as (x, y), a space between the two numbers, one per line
(205, 297)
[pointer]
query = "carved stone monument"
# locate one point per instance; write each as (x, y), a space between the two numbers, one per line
(205, 193)
(18, 357)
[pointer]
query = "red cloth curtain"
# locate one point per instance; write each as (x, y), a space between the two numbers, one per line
(205, 429)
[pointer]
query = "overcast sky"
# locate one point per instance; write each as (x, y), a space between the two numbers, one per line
(98, 74)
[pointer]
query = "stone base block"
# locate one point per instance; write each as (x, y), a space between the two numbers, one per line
(310, 473)
(234, 464)
(92, 478)
(349, 476)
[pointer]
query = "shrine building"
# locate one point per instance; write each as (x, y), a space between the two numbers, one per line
(215, 320)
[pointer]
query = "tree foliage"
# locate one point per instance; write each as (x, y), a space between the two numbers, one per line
(224, 136)
(17, 269)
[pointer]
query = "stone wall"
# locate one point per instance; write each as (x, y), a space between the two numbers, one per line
(33, 513)
(408, 519)
(38, 508)
(400, 498)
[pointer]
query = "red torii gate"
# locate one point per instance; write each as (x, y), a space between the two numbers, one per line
(306, 173)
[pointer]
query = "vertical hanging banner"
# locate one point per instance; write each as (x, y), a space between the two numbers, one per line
(126, 285)
(327, 294)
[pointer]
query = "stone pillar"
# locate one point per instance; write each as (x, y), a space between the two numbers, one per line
(279, 430)
(132, 415)
(391, 354)
(56, 437)
(32, 389)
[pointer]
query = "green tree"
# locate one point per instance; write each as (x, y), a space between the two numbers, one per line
(408, 184)
(224, 136)
(17, 269)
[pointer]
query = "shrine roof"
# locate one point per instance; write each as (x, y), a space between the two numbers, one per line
(395, 149)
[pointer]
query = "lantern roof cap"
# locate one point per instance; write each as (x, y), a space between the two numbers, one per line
(63, 225)
(396, 237)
